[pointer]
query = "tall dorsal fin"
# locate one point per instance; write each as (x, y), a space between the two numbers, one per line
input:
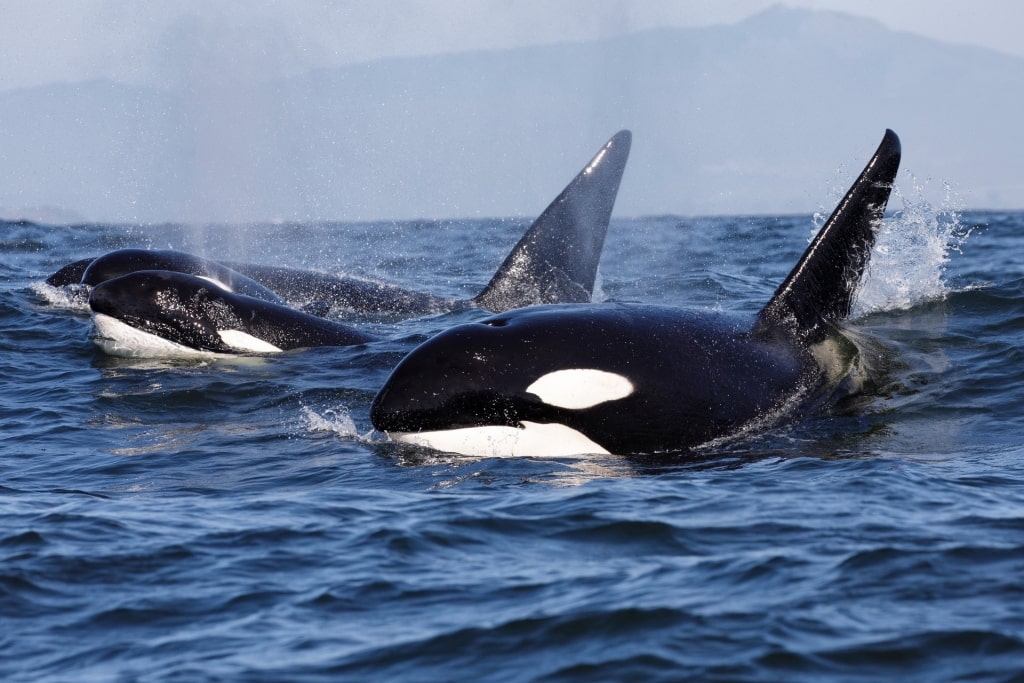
(556, 260)
(820, 289)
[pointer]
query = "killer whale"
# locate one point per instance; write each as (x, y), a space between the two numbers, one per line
(160, 313)
(555, 261)
(563, 380)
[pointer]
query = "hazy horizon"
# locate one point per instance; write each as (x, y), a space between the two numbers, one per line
(233, 112)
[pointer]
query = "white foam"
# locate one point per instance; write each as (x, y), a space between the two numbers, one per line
(532, 439)
(579, 388)
(71, 297)
(337, 421)
(912, 251)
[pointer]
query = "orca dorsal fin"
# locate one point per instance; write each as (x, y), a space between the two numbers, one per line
(820, 289)
(556, 260)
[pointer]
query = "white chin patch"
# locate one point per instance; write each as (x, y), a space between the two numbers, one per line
(245, 342)
(120, 339)
(580, 388)
(532, 439)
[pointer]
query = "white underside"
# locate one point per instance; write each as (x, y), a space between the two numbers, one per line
(532, 439)
(120, 339)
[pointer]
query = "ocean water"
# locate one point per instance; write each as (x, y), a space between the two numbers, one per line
(239, 520)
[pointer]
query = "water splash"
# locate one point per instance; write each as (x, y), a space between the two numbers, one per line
(72, 298)
(912, 251)
(337, 421)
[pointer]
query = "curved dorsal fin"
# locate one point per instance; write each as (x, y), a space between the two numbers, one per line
(820, 289)
(556, 260)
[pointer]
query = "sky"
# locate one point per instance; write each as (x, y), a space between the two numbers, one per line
(243, 157)
(46, 41)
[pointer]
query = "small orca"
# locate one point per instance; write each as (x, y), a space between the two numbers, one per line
(563, 380)
(159, 313)
(556, 260)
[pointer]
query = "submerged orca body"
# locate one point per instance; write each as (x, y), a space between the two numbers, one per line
(556, 260)
(166, 313)
(626, 379)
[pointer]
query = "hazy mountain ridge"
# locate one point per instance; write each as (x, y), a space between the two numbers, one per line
(755, 117)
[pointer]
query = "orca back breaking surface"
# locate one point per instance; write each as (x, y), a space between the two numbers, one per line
(71, 274)
(348, 293)
(556, 261)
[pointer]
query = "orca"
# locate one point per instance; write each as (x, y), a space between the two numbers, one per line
(161, 313)
(555, 261)
(631, 379)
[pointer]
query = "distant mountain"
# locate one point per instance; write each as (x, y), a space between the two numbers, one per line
(757, 117)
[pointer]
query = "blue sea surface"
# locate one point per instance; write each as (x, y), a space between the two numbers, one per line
(240, 520)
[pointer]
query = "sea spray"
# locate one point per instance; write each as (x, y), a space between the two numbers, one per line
(71, 298)
(337, 421)
(912, 250)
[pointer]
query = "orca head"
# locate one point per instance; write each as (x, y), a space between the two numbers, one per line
(508, 385)
(149, 307)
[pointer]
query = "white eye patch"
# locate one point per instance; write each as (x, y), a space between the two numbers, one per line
(244, 341)
(580, 388)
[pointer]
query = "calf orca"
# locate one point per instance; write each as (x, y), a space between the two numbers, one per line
(555, 261)
(630, 379)
(161, 313)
